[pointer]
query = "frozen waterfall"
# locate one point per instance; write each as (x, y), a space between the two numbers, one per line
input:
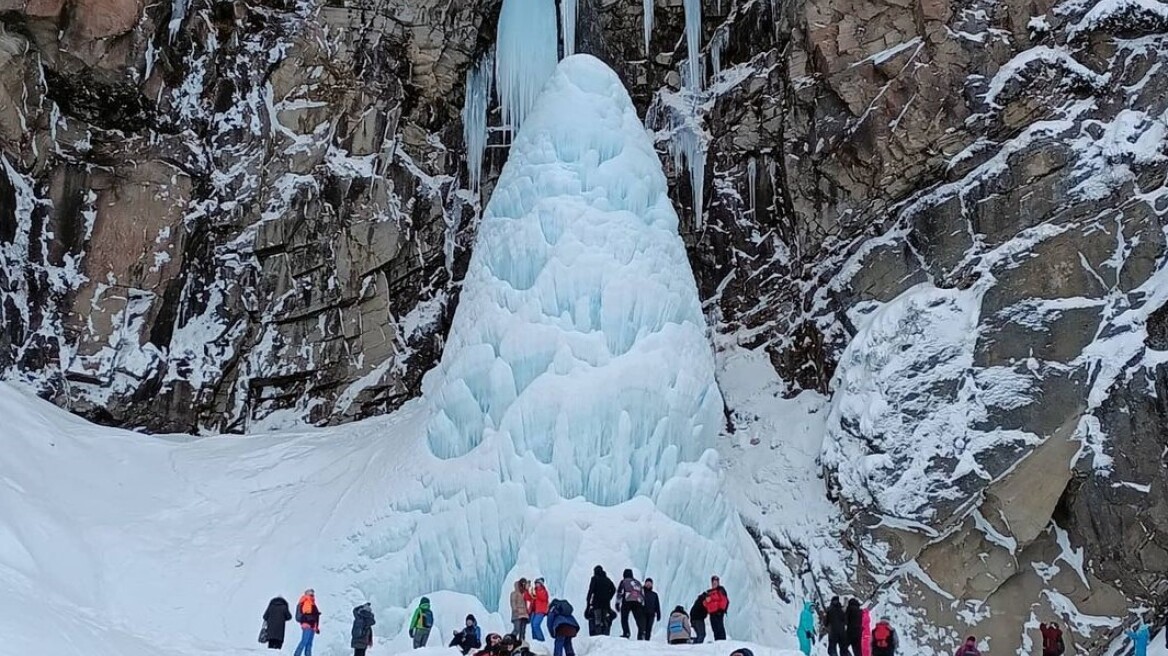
(526, 54)
(578, 365)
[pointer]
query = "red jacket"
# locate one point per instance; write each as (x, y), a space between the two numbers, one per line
(717, 601)
(538, 602)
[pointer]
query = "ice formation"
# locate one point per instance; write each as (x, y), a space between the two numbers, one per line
(578, 361)
(650, 6)
(568, 20)
(693, 35)
(526, 53)
(479, 82)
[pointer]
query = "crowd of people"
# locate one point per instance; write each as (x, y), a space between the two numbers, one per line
(847, 629)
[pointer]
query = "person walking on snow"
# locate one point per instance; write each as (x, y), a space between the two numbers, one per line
(1052, 639)
(679, 629)
(519, 613)
(421, 623)
(563, 627)
(275, 618)
(598, 605)
(363, 622)
(650, 610)
(866, 636)
(630, 601)
(470, 637)
(855, 619)
(308, 617)
(837, 628)
(537, 602)
(806, 629)
(717, 604)
(697, 615)
(1139, 639)
(883, 639)
(969, 648)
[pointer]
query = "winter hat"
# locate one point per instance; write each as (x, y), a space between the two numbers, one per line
(425, 601)
(628, 573)
(648, 582)
(472, 619)
(598, 570)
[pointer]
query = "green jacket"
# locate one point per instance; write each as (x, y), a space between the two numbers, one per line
(423, 618)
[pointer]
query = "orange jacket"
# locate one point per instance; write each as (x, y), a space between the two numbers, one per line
(308, 613)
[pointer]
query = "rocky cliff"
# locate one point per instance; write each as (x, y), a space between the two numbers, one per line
(949, 215)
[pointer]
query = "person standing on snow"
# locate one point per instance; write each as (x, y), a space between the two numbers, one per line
(471, 637)
(421, 623)
(650, 610)
(883, 639)
(837, 628)
(969, 648)
(866, 636)
(363, 622)
(855, 621)
(275, 618)
(563, 627)
(697, 615)
(519, 613)
(806, 629)
(679, 630)
(630, 598)
(598, 606)
(717, 604)
(308, 616)
(537, 603)
(1052, 639)
(1139, 639)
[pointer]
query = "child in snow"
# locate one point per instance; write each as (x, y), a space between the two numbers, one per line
(363, 622)
(537, 603)
(308, 616)
(471, 637)
(275, 619)
(883, 639)
(519, 614)
(969, 648)
(421, 623)
(563, 627)
(1139, 639)
(679, 630)
(806, 629)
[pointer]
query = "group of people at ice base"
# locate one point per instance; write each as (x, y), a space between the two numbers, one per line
(641, 602)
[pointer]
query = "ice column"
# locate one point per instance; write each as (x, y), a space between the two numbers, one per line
(526, 54)
(693, 35)
(650, 6)
(474, 116)
(568, 16)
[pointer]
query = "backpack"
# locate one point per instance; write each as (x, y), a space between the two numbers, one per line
(882, 637)
(676, 625)
(633, 591)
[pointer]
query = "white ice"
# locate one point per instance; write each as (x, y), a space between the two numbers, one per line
(479, 85)
(526, 52)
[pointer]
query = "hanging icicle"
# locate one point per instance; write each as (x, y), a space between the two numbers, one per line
(717, 47)
(479, 81)
(677, 120)
(568, 20)
(650, 6)
(526, 55)
(693, 35)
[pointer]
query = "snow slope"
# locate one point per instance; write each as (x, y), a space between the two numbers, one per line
(569, 424)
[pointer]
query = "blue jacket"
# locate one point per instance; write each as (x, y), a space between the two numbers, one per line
(1139, 639)
(560, 615)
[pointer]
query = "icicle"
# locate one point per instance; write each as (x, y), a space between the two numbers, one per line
(693, 34)
(717, 46)
(686, 142)
(650, 6)
(568, 18)
(526, 54)
(474, 116)
(751, 175)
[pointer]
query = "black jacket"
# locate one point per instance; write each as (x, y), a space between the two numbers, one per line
(276, 616)
(855, 621)
(651, 604)
(600, 590)
(837, 622)
(697, 613)
(362, 627)
(467, 639)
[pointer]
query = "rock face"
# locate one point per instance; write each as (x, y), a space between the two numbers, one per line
(949, 215)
